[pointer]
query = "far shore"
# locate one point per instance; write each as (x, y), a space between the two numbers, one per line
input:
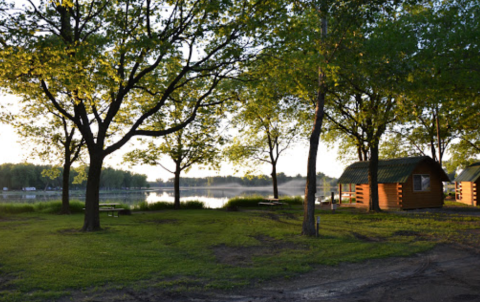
(153, 189)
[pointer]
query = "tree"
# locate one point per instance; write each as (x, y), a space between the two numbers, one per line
(370, 92)
(22, 175)
(268, 124)
(196, 144)
(364, 104)
(321, 13)
(51, 138)
(364, 117)
(422, 134)
(447, 35)
(139, 181)
(111, 179)
(320, 30)
(443, 85)
(110, 66)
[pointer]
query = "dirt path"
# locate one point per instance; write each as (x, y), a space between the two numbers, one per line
(443, 274)
(446, 273)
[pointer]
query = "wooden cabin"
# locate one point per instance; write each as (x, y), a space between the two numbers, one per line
(466, 185)
(403, 183)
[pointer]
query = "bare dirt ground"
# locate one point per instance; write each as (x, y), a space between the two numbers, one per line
(446, 273)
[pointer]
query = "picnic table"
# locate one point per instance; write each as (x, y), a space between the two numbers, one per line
(110, 208)
(272, 202)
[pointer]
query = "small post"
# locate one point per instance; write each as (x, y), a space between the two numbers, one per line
(333, 205)
(350, 194)
(339, 192)
(318, 225)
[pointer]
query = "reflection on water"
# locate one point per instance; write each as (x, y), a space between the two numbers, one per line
(212, 197)
(211, 202)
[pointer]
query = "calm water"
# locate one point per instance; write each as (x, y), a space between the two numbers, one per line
(212, 197)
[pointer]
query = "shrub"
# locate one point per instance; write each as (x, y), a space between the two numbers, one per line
(250, 201)
(76, 206)
(16, 208)
(296, 200)
(54, 207)
(51, 207)
(192, 205)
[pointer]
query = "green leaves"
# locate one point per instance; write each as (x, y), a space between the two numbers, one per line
(437, 42)
(198, 143)
(111, 64)
(266, 116)
(51, 173)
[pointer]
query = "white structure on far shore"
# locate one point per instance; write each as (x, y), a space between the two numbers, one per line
(29, 189)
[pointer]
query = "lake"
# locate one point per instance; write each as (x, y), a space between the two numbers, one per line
(213, 197)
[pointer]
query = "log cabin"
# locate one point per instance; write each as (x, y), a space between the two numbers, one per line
(403, 183)
(466, 185)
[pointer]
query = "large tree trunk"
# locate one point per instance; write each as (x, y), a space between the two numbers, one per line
(373, 180)
(432, 150)
(274, 180)
(308, 227)
(439, 138)
(176, 185)
(92, 198)
(66, 188)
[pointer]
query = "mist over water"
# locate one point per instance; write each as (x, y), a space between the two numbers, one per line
(213, 197)
(293, 183)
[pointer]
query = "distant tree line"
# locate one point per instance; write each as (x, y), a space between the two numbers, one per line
(18, 176)
(117, 179)
(258, 181)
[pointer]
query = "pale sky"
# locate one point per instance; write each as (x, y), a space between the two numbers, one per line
(291, 163)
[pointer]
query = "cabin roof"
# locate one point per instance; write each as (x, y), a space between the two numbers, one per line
(395, 170)
(470, 173)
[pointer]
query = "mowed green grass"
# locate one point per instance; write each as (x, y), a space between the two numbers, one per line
(44, 256)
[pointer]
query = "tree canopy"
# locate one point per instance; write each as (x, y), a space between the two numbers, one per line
(110, 66)
(267, 120)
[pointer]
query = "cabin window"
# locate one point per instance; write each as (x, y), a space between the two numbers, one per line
(421, 182)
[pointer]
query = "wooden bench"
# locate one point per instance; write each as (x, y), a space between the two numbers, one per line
(111, 211)
(272, 202)
(266, 204)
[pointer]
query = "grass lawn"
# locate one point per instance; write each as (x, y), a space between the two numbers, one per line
(44, 256)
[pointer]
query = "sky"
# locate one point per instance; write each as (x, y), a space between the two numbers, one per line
(291, 163)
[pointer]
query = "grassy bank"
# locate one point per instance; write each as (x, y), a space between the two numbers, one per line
(72, 192)
(44, 256)
(76, 206)
(50, 207)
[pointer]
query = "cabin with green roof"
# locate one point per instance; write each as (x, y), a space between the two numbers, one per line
(466, 185)
(403, 183)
